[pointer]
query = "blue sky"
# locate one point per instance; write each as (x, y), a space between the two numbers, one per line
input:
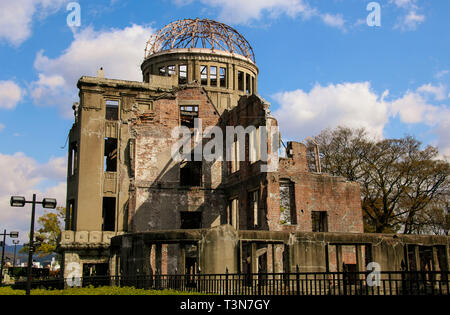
(321, 65)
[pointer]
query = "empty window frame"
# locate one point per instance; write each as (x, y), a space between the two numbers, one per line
(254, 146)
(73, 159)
(223, 77)
(172, 70)
(213, 76)
(191, 173)
(112, 110)
(241, 81)
(235, 164)
(110, 157)
(253, 209)
(204, 75)
(233, 213)
(188, 114)
(109, 214)
(95, 270)
(319, 221)
(288, 214)
(247, 83)
(70, 216)
(191, 220)
(183, 76)
(162, 71)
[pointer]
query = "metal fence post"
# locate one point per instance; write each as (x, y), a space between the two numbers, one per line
(226, 282)
(298, 280)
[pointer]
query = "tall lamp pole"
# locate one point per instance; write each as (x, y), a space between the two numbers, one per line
(12, 235)
(15, 242)
(47, 203)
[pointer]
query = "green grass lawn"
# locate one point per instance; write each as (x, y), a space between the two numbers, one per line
(94, 291)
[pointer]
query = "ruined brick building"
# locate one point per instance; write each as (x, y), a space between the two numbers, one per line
(133, 209)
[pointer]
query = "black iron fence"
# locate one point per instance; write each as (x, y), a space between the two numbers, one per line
(316, 283)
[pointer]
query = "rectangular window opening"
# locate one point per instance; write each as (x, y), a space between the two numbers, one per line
(73, 158)
(319, 221)
(191, 220)
(204, 75)
(188, 114)
(191, 173)
(247, 84)
(288, 213)
(253, 199)
(183, 78)
(171, 70)
(162, 71)
(110, 157)
(70, 216)
(254, 146)
(112, 110)
(240, 81)
(213, 76)
(235, 163)
(109, 214)
(223, 77)
(94, 270)
(233, 213)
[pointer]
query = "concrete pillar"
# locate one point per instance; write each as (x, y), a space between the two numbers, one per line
(191, 71)
(359, 258)
(182, 259)
(270, 258)
(417, 257)
(435, 262)
(158, 258)
(218, 250)
(339, 258)
(254, 259)
(146, 266)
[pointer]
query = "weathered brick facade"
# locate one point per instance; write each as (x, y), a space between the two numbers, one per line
(123, 178)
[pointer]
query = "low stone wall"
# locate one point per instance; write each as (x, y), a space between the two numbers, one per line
(223, 248)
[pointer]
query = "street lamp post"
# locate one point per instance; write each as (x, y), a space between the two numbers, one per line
(15, 242)
(47, 203)
(12, 235)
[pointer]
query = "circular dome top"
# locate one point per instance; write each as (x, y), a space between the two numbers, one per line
(199, 34)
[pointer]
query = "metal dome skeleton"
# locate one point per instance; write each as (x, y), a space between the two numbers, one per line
(198, 33)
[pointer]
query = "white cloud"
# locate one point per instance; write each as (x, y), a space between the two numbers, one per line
(303, 114)
(23, 176)
(404, 3)
(441, 74)
(10, 94)
(2, 127)
(16, 17)
(238, 11)
(413, 108)
(118, 51)
(412, 19)
(334, 20)
(439, 92)
(242, 12)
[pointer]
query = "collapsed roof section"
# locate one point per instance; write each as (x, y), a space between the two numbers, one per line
(198, 33)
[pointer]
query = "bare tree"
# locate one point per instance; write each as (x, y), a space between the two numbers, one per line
(399, 180)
